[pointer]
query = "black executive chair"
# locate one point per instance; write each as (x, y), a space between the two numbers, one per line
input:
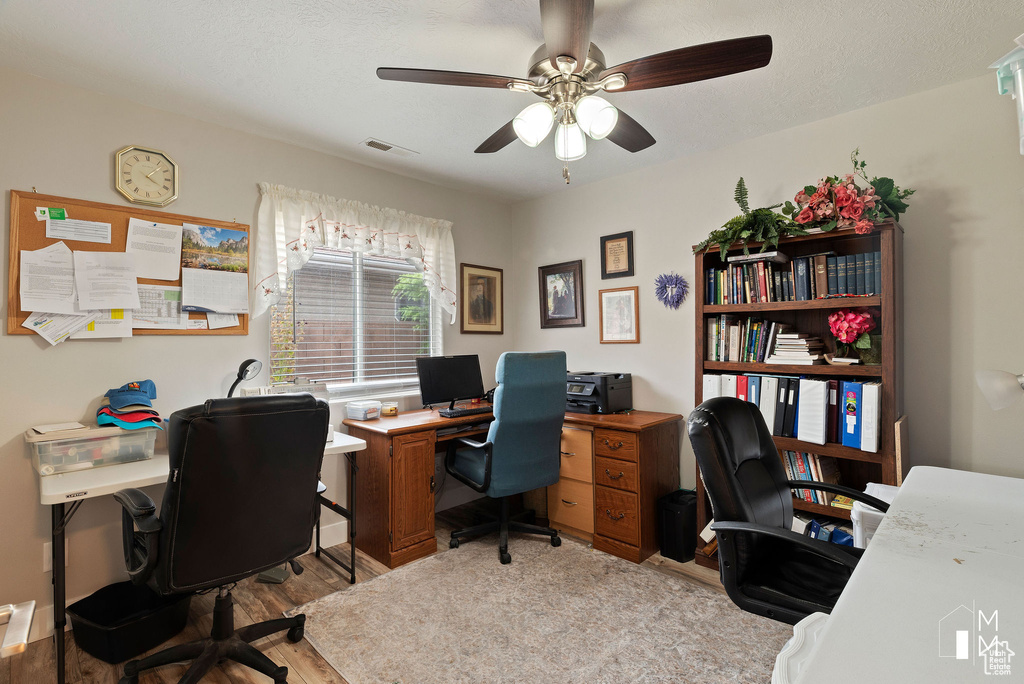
(766, 568)
(240, 498)
(522, 448)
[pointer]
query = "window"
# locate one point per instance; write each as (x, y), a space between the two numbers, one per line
(354, 322)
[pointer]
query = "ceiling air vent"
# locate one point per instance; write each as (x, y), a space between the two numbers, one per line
(382, 146)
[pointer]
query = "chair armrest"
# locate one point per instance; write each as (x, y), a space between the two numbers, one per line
(449, 462)
(832, 552)
(140, 548)
(854, 494)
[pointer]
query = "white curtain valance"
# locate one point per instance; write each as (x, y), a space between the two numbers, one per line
(291, 223)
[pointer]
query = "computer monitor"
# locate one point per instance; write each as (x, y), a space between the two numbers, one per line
(449, 378)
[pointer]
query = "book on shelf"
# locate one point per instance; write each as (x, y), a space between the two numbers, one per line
(842, 501)
(775, 256)
(808, 361)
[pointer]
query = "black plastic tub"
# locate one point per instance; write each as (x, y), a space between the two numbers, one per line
(122, 620)
(677, 525)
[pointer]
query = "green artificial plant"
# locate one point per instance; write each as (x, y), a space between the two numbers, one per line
(758, 225)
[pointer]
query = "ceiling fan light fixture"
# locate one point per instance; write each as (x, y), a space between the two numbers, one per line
(596, 116)
(570, 142)
(533, 124)
(613, 82)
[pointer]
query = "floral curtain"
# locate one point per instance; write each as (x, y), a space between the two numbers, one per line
(291, 223)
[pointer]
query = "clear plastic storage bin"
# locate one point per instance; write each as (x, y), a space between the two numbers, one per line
(866, 519)
(91, 447)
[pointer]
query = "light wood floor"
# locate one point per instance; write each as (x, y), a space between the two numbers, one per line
(255, 602)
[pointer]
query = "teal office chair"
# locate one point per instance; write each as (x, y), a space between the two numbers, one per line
(522, 448)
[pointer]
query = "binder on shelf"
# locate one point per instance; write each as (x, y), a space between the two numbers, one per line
(728, 386)
(852, 413)
(768, 399)
(833, 411)
(754, 389)
(712, 387)
(741, 387)
(780, 407)
(872, 398)
(812, 411)
(793, 385)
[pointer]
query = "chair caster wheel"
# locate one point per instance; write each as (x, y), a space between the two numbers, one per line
(295, 634)
(556, 541)
(505, 558)
(281, 675)
(453, 544)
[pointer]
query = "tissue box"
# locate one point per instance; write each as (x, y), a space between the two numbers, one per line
(362, 410)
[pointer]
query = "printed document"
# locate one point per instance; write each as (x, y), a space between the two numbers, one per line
(160, 308)
(73, 229)
(218, 291)
(55, 328)
(106, 280)
(218, 321)
(109, 323)
(157, 249)
(48, 280)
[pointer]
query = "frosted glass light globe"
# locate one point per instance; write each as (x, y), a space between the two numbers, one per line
(596, 116)
(533, 124)
(570, 143)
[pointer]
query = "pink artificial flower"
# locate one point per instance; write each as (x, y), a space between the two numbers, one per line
(854, 210)
(844, 196)
(864, 227)
(848, 178)
(847, 325)
(806, 215)
(802, 198)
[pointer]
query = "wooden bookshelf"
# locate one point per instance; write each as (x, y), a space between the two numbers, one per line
(856, 467)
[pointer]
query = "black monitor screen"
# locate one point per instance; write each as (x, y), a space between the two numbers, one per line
(449, 378)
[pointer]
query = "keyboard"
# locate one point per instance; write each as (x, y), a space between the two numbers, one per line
(459, 412)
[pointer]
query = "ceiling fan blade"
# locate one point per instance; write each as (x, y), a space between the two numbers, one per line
(695, 63)
(499, 139)
(629, 135)
(567, 25)
(454, 78)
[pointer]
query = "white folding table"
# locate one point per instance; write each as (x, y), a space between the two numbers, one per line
(65, 492)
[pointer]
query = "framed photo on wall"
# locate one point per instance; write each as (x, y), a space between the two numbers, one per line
(617, 255)
(620, 315)
(481, 292)
(561, 295)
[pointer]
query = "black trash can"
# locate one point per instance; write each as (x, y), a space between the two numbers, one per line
(122, 620)
(677, 525)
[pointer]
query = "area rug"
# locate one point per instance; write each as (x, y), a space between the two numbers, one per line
(565, 614)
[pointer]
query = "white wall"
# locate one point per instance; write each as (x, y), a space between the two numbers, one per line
(956, 145)
(61, 140)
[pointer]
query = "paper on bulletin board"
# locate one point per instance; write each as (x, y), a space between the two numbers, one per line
(197, 324)
(43, 213)
(217, 320)
(157, 249)
(109, 323)
(48, 280)
(160, 308)
(75, 229)
(214, 269)
(106, 280)
(55, 328)
(216, 291)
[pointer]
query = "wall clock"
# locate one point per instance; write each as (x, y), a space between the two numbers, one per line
(146, 176)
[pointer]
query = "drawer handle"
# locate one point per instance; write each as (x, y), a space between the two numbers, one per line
(568, 453)
(613, 448)
(613, 477)
(570, 503)
(620, 516)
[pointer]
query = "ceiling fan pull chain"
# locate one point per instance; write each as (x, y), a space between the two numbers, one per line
(565, 173)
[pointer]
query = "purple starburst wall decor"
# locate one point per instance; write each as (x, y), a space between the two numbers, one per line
(671, 289)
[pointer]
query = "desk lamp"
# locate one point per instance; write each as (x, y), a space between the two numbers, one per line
(1001, 389)
(249, 369)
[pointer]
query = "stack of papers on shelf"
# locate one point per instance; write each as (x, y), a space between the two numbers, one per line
(797, 348)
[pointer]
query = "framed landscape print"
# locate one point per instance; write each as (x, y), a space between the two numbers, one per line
(620, 315)
(561, 295)
(481, 293)
(617, 255)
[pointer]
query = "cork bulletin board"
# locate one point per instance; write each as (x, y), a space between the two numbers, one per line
(29, 234)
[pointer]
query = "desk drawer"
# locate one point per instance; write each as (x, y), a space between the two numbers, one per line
(571, 503)
(615, 444)
(618, 474)
(577, 455)
(616, 515)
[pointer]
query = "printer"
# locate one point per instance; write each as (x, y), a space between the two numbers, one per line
(589, 392)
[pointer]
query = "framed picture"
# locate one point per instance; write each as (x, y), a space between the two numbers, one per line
(617, 255)
(561, 295)
(482, 295)
(620, 315)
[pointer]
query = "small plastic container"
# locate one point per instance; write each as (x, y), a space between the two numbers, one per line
(362, 410)
(122, 620)
(865, 518)
(389, 408)
(90, 447)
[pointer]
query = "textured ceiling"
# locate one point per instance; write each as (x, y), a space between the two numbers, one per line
(302, 71)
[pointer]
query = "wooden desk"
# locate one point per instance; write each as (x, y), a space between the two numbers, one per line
(396, 480)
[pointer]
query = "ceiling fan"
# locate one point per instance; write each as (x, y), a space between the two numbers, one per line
(568, 70)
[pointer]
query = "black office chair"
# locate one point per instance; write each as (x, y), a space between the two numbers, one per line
(522, 448)
(240, 498)
(766, 568)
